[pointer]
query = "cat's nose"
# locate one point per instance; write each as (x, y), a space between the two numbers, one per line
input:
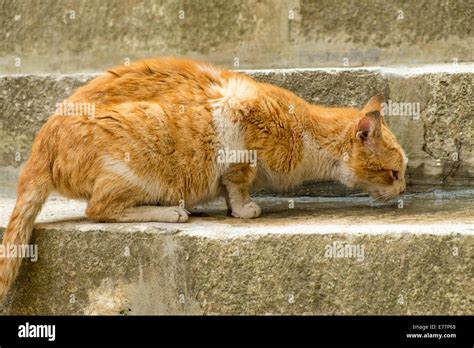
(402, 191)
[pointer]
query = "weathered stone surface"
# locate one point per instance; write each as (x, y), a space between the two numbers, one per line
(382, 33)
(25, 104)
(439, 141)
(84, 36)
(416, 260)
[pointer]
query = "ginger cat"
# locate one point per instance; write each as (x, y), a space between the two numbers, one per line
(159, 128)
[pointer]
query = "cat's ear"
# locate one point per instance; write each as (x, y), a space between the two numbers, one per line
(369, 126)
(375, 104)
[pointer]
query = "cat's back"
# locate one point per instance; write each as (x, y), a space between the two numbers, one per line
(167, 80)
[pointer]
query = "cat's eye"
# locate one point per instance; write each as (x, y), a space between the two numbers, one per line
(395, 174)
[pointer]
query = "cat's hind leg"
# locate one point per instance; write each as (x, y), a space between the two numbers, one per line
(237, 181)
(149, 213)
(112, 202)
(144, 213)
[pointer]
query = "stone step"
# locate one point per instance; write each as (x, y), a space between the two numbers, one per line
(435, 128)
(323, 256)
(87, 36)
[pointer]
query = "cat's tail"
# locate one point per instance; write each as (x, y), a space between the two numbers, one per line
(34, 186)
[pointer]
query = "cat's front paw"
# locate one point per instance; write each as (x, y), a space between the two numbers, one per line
(249, 210)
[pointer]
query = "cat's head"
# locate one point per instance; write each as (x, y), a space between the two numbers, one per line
(378, 162)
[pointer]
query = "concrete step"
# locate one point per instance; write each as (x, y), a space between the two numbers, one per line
(437, 133)
(84, 35)
(410, 259)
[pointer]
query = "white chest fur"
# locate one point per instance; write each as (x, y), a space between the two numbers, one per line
(316, 165)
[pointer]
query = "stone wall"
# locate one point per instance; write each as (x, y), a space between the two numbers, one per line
(77, 36)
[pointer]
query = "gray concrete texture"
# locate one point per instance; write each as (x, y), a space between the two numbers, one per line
(439, 142)
(84, 36)
(416, 259)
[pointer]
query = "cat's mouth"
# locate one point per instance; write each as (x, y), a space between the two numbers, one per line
(382, 199)
(381, 196)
